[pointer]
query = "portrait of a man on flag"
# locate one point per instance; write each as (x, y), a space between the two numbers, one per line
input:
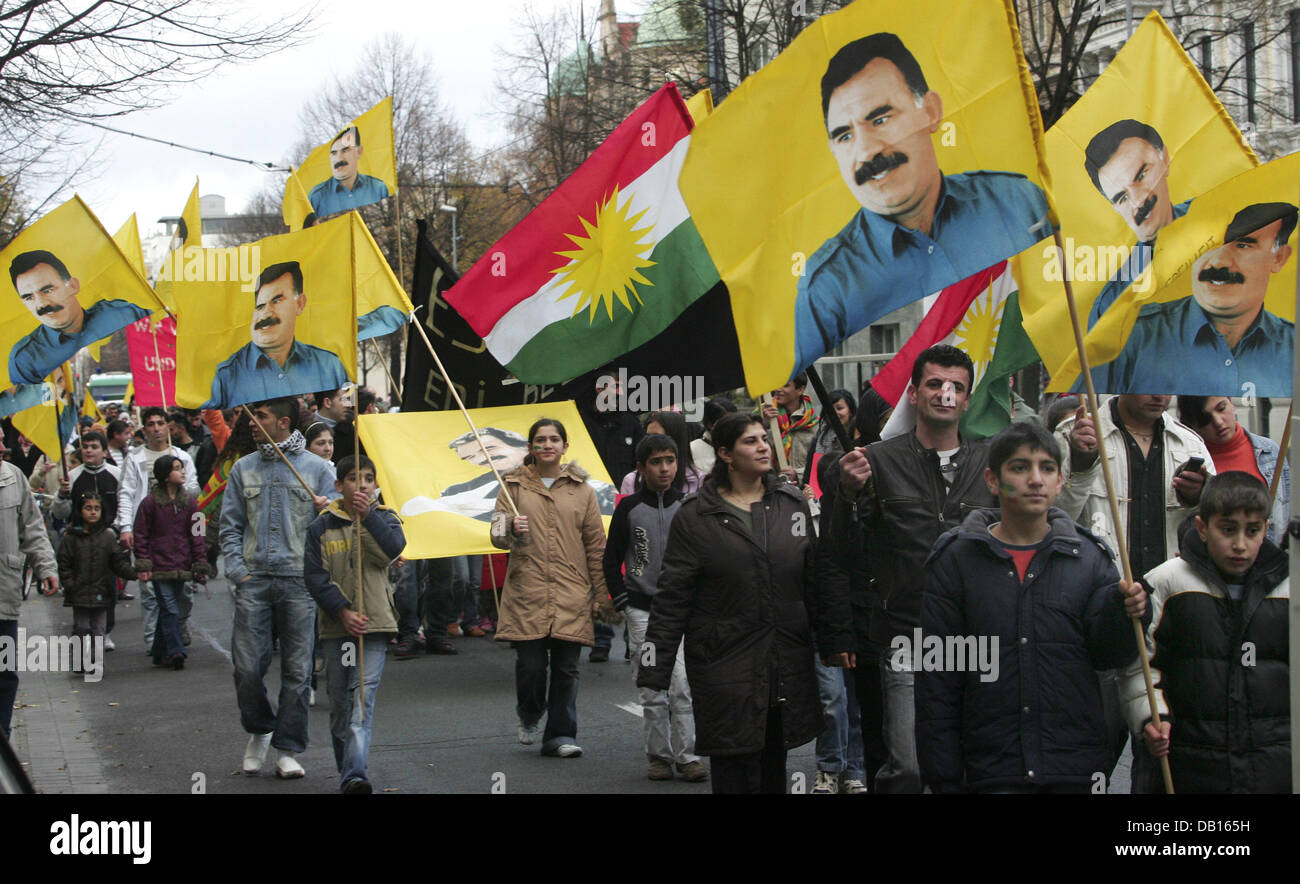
(918, 228)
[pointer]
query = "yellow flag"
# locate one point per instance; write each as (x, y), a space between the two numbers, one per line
(128, 240)
(382, 304)
(71, 286)
(433, 473)
(272, 318)
(1154, 136)
(355, 168)
(90, 408)
(186, 240)
(700, 105)
(890, 151)
(1214, 314)
(51, 422)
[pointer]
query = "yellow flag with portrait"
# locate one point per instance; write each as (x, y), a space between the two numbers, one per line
(70, 286)
(186, 239)
(356, 168)
(890, 151)
(433, 472)
(1126, 161)
(1214, 313)
(269, 319)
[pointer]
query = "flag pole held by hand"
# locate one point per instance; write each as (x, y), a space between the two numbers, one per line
(1121, 542)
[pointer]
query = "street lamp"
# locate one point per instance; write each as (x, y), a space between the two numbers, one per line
(451, 210)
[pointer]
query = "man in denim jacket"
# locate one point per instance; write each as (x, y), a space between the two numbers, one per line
(264, 517)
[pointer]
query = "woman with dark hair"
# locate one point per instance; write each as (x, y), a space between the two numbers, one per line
(320, 440)
(673, 425)
(843, 408)
(738, 567)
(554, 580)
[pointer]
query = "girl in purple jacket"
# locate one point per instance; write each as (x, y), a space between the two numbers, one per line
(169, 550)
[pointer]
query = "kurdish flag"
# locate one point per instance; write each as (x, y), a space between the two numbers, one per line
(608, 261)
(981, 316)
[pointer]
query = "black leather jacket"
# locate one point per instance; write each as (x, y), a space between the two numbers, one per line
(899, 515)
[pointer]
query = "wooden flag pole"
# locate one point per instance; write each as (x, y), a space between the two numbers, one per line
(1281, 460)
(1121, 542)
(379, 357)
(496, 590)
(361, 583)
(419, 326)
(774, 427)
(296, 474)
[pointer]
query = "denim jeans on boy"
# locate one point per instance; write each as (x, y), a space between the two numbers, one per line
(167, 637)
(901, 772)
(839, 747)
(669, 715)
(560, 703)
(258, 601)
(349, 730)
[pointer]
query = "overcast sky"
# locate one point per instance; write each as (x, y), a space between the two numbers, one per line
(251, 110)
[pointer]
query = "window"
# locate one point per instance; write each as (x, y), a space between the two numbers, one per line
(1293, 23)
(884, 337)
(1248, 47)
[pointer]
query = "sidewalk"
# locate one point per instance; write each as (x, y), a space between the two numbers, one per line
(51, 734)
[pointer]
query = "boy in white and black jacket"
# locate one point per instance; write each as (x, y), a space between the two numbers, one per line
(634, 553)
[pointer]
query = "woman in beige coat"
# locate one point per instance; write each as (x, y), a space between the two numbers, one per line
(555, 578)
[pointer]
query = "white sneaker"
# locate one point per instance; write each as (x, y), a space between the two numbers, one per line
(288, 768)
(567, 750)
(311, 699)
(850, 786)
(108, 644)
(255, 753)
(528, 735)
(827, 784)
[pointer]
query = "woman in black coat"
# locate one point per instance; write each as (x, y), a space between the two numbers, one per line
(737, 568)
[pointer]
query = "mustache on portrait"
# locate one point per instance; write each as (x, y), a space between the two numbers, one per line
(265, 323)
(1221, 274)
(881, 162)
(340, 164)
(47, 309)
(1144, 211)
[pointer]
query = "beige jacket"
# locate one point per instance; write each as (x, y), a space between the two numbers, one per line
(1084, 495)
(555, 574)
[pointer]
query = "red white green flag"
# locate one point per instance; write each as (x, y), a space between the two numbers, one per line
(604, 264)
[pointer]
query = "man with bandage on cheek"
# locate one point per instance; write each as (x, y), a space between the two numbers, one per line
(898, 496)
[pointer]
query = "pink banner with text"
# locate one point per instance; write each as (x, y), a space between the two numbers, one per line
(153, 360)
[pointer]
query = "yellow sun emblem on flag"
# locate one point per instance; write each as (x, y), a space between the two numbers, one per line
(978, 332)
(607, 262)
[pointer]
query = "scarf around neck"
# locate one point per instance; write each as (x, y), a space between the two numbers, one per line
(807, 419)
(295, 443)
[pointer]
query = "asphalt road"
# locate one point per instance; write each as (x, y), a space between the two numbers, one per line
(442, 723)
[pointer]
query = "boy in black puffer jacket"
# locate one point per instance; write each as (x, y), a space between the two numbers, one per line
(1035, 606)
(1219, 650)
(90, 560)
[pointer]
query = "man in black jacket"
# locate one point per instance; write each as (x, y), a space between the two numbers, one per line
(1021, 607)
(897, 497)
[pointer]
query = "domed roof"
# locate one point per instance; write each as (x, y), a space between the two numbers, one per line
(669, 21)
(571, 72)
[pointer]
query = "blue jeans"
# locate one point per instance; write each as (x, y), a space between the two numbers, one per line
(901, 773)
(839, 747)
(561, 703)
(349, 730)
(406, 597)
(604, 636)
(259, 601)
(444, 597)
(167, 636)
(8, 677)
(149, 609)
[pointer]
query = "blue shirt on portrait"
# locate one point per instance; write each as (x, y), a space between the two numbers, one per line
(874, 266)
(1175, 348)
(23, 397)
(1135, 266)
(331, 196)
(252, 376)
(45, 349)
(380, 321)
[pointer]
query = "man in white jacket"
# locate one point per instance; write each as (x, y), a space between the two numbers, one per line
(137, 476)
(1148, 451)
